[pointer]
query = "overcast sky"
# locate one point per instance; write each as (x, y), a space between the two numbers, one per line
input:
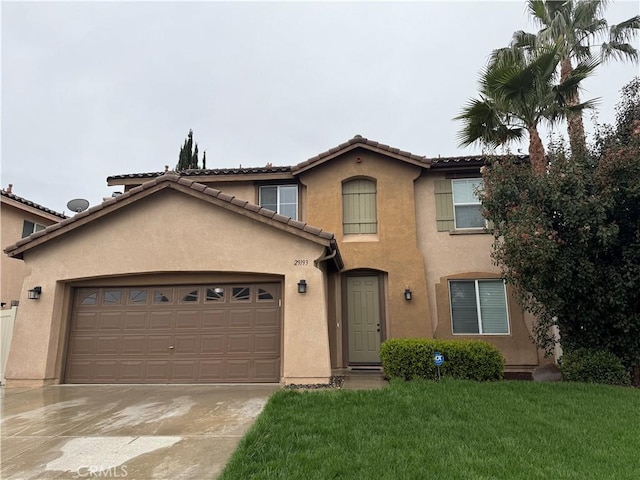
(97, 89)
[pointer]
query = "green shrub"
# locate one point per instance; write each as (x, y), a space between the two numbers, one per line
(593, 366)
(410, 358)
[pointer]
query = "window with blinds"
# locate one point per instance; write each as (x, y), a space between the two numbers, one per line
(479, 307)
(467, 207)
(282, 199)
(359, 212)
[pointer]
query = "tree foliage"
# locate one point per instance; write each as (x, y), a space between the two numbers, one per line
(519, 90)
(575, 27)
(188, 157)
(569, 240)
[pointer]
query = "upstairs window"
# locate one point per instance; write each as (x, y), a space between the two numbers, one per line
(359, 211)
(479, 307)
(30, 227)
(467, 209)
(282, 199)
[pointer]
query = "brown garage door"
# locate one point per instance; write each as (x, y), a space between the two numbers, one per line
(175, 334)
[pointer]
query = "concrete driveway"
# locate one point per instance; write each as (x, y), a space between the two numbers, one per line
(133, 432)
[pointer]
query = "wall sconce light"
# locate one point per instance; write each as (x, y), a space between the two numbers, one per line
(408, 294)
(302, 286)
(34, 293)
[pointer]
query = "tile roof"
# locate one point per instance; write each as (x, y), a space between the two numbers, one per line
(31, 204)
(205, 172)
(473, 160)
(171, 180)
(356, 141)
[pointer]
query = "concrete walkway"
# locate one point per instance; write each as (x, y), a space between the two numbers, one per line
(133, 432)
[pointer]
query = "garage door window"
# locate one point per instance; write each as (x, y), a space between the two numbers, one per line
(241, 294)
(162, 296)
(264, 294)
(189, 296)
(137, 297)
(88, 297)
(215, 294)
(112, 297)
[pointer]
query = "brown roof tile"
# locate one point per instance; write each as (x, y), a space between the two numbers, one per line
(29, 203)
(365, 142)
(203, 172)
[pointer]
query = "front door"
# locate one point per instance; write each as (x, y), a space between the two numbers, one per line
(363, 319)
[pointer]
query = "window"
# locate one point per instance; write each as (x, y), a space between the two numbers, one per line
(282, 199)
(359, 214)
(29, 227)
(467, 209)
(479, 307)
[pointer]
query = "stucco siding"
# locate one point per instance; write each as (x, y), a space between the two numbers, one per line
(393, 249)
(170, 232)
(465, 255)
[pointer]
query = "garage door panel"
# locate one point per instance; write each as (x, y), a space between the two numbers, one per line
(108, 345)
(213, 344)
(134, 345)
(214, 319)
(132, 370)
(240, 343)
(267, 317)
(268, 343)
(158, 370)
(238, 370)
(218, 333)
(82, 345)
(135, 320)
(86, 321)
(266, 369)
(81, 371)
(184, 370)
(186, 344)
(159, 344)
(188, 320)
(106, 371)
(161, 320)
(240, 318)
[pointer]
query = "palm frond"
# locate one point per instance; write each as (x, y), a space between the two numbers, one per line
(625, 31)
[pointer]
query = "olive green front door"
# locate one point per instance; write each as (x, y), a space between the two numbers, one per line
(363, 317)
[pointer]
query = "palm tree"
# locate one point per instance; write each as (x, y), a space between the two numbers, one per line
(574, 27)
(518, 91)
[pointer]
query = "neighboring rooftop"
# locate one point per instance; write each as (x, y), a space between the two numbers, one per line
(8, 193)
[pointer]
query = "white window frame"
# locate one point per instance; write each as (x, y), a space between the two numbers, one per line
(36, 228)
(278, 201)
(465, 204)
(478, 309)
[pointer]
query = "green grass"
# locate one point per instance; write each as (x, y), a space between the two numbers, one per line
(447, 430)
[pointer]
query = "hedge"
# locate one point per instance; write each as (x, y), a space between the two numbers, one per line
(594, 366)
(409, 358)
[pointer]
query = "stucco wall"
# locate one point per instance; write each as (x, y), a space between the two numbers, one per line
(448, 255)
(393, 249)
(170, 232)
(12, 271)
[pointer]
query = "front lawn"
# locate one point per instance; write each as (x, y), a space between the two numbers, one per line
(447, 430)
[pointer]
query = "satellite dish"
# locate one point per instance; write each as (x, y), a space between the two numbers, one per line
(78, 205)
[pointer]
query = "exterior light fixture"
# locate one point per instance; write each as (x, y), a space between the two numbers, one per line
(302, 286)
(34, 293)
(408, 294)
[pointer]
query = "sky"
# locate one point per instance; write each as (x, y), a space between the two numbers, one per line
(94, 89)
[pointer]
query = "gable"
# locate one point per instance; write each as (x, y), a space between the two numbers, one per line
(140, 199)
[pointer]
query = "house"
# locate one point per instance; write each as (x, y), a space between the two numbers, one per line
(20, 218)
(269, 274)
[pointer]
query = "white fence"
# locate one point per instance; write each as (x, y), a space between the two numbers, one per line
(7, 317)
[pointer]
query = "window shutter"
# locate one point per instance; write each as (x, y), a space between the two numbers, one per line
(444, 205)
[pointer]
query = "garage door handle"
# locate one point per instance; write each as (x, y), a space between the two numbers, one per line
(170, 347)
